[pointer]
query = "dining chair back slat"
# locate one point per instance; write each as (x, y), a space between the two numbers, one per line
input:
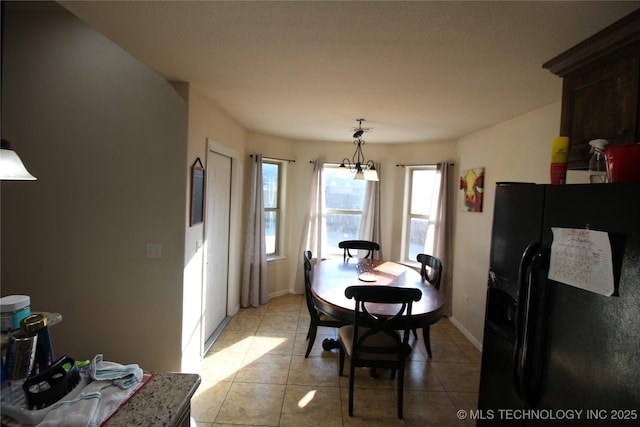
(357, 245)
(378, 341)
(430, 269)
(431, 272)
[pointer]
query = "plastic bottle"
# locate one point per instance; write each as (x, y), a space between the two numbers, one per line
(559, 156)
(14, 308)
(597, 163)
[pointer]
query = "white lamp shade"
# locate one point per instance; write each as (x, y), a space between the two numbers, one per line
(342, 172)
(371, 175)
(11, 167)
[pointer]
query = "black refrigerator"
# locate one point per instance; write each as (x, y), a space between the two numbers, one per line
(553, 353)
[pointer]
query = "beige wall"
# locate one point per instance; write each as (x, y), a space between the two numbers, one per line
(516, 150)
(105, 136)
(208, 126)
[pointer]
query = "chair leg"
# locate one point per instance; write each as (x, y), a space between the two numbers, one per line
(352, 375)
(373, 373)
(311, 335)
(400, 391)
(415, 333)
(341, 365)
(427, 342)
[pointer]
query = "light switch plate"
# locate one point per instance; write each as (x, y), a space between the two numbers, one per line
(154, 251)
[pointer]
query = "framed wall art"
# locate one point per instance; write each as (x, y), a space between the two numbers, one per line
(472, 190)
(197, 192)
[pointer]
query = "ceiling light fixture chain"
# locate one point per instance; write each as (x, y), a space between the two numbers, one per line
(363, 169)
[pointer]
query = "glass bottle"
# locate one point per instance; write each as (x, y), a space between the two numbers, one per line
(597, 163)
(37, 324)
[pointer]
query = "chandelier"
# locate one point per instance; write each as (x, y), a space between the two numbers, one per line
(363, 169)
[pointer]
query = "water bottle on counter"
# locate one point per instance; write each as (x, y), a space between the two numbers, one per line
(597, 163)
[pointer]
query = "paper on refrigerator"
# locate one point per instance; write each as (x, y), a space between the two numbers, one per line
(582, 258)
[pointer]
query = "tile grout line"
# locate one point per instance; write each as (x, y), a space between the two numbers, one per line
(299, 344)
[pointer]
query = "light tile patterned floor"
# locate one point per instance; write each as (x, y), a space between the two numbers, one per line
(256, 375)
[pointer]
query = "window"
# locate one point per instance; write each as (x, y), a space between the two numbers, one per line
(342, 210)
(421, 197)
(272, 177)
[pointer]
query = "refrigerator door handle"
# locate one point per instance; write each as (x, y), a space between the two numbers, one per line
(522, 317)
(529, 366)
(526, 333)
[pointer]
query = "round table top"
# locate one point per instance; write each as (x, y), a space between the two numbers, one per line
(332, 276)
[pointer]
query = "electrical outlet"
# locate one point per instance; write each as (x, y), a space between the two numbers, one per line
(154, 251)
(466, 299)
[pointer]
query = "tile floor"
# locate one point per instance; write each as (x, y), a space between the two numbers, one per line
(256, 375)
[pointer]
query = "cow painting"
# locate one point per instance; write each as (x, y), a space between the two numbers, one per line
(472, 186)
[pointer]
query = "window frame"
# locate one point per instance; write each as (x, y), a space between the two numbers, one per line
(408, 216)
(279, 207)
(332, 211)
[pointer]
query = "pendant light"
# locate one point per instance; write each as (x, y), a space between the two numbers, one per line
(11, 167)
(363, 169)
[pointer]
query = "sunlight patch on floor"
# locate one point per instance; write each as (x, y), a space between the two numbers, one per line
(306, 399)
(266, 344)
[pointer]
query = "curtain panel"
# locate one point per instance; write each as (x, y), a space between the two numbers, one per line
(311, 226)
(255, 288)
(443, 230)
(370, 226)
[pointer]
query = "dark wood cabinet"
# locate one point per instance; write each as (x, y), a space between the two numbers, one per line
(601, 89)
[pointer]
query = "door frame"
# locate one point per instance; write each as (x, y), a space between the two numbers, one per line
(235, 240)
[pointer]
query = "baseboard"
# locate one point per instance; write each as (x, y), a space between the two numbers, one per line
(279, 293)
(214, 336)
(466, 333)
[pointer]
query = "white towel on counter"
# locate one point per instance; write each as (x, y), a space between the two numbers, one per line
(124, 376)
(80, 412)
(90, 403)
(97, 402)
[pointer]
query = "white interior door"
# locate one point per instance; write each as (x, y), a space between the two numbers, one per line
(218, 207)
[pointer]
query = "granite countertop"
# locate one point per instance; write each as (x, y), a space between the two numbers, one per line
(160, 402)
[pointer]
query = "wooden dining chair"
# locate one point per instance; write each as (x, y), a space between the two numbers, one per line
(364, 245)
(431, 271)
(378, 341)
(318, 318)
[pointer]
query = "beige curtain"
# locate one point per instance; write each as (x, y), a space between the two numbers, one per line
(311, 226)
(255, 289)
(443, 234)
(370, 225)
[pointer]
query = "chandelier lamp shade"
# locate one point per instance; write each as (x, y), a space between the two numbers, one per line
(363, 169)
(11, 167)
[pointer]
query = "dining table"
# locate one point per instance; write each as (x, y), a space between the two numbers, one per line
(332, 276)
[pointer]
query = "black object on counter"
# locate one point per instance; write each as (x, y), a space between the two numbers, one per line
(52, 384)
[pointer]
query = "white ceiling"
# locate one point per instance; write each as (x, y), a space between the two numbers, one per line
(306, 70)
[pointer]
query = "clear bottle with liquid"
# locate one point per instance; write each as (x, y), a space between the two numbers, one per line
(597, 163)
